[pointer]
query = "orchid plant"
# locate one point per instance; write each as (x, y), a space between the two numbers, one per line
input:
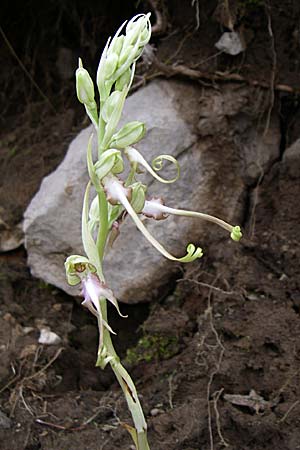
(119, 193)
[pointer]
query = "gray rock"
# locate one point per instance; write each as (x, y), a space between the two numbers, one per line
(5, 421)
(10, 237)
(48, 337)
(230, 43)
(213, 174)
(291, 159)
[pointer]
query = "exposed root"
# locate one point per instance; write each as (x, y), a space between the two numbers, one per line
(161, 23)
(273, 70)
(289, 410)
(215, 352)
(252, 219)
(196, 4)
(187, 72)
(216, 395)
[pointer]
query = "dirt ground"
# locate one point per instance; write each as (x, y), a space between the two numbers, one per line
(217, 362)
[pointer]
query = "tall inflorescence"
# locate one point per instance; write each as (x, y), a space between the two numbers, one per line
(119, 193)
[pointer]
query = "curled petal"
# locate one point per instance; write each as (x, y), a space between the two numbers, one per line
(158, 163)
(135, 157)
(236, 233)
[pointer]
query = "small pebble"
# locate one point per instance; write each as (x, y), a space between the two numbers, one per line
(155, 411)
(48, 337)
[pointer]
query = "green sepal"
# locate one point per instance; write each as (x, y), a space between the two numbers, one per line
(75, 265)
(128, 135)
(236, 233)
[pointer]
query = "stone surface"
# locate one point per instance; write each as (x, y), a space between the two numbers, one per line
(230, 43)
(10, 237)
(206, 131)
(5, 421)
(48, 337)
(291, 159)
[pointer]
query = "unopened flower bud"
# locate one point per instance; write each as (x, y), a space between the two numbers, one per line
(113, 102)
(110, 65)
(138, 196)
(84, 86)
(126, 54)
(110, 161)
(123, 80)
(116, 45)
(129, 134)
(138, 28)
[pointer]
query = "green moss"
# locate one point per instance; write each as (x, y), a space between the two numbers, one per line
(152, 347)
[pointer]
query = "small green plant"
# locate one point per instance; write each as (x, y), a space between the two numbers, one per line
(119, 193)
(152, 347)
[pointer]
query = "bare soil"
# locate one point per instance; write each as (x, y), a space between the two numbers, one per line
(217, 362)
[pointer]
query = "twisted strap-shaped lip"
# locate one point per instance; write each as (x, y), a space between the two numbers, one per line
(135, 157)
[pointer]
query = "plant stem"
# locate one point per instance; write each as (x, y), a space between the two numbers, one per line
(103, 227)
(140, 433)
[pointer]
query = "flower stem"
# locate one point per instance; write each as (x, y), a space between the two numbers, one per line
(103, 227)
(139, 434)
